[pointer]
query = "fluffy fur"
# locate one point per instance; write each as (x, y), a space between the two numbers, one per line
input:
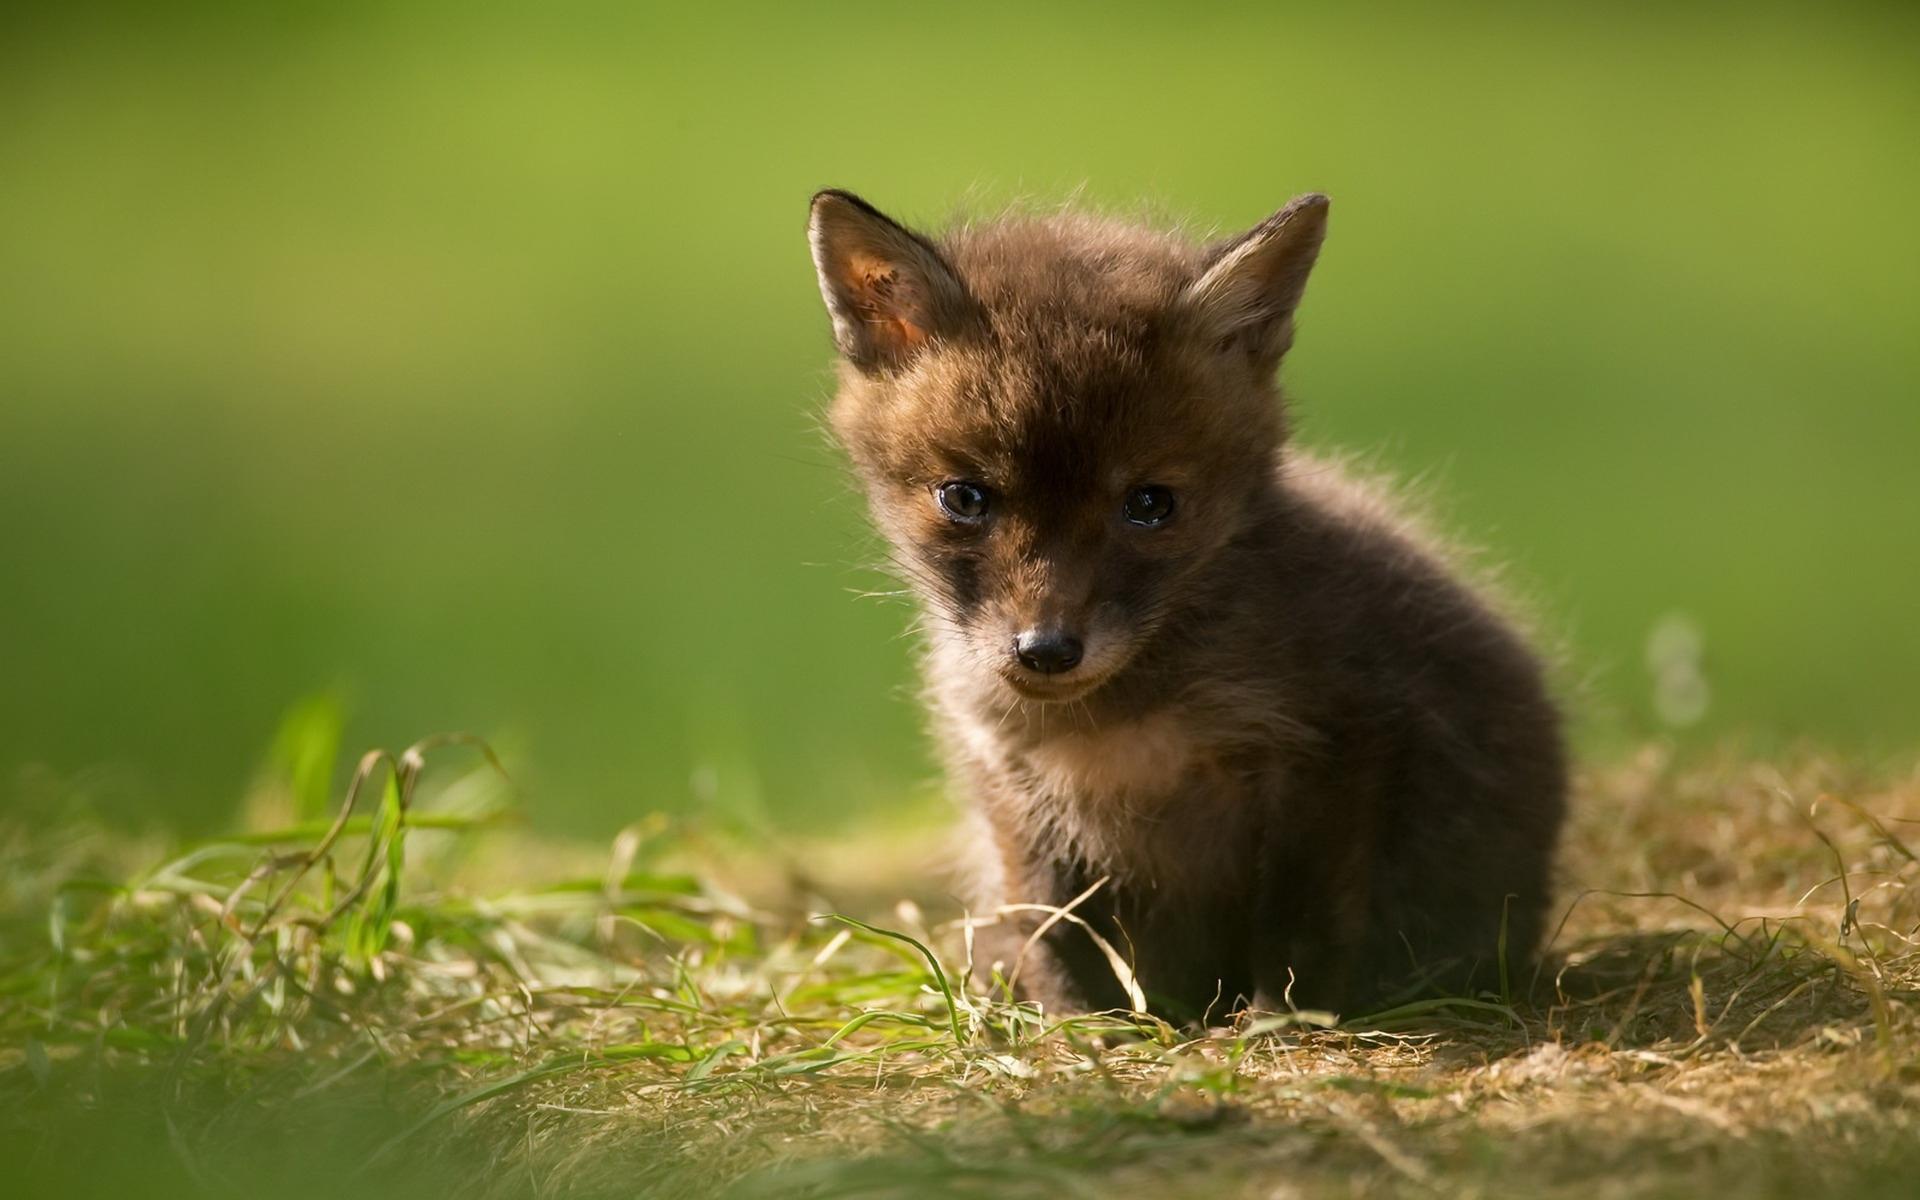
(1310, 765)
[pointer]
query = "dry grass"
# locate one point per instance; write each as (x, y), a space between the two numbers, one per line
(424, 999)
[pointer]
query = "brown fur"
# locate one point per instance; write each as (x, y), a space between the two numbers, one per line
(1310, 764)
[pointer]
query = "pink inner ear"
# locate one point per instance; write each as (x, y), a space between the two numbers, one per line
(907, 334)
(884, 303)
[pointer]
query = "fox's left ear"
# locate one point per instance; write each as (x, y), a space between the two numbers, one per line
(885, 286)
(1254, 282)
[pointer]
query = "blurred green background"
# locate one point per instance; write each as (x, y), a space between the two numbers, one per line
(465, 361)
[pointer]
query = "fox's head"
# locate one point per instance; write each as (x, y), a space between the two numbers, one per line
(1060, 421)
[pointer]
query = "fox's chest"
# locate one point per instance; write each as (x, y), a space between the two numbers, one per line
(1149, 802)
(1133, 763)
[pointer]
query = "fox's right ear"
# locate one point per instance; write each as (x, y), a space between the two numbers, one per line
(885, 286)
(1253, 284)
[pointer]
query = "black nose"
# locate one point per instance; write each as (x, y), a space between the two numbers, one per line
(1047, 652)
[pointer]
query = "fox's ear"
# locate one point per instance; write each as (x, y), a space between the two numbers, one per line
(1253, 283)
(885, 286)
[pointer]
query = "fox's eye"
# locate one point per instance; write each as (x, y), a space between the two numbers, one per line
(961, 500)
(1150, 505)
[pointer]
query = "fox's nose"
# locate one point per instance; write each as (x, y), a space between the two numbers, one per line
(1049, 652)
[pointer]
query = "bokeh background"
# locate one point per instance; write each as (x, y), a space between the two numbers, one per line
(462, 364)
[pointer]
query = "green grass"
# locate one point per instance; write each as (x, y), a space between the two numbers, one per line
(419, 996)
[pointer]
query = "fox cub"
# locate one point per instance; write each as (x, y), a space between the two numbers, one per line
(1214, 690)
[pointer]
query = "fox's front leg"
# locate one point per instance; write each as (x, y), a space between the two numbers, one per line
(1061, 969)
(1006, 954)
(1310, 913)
